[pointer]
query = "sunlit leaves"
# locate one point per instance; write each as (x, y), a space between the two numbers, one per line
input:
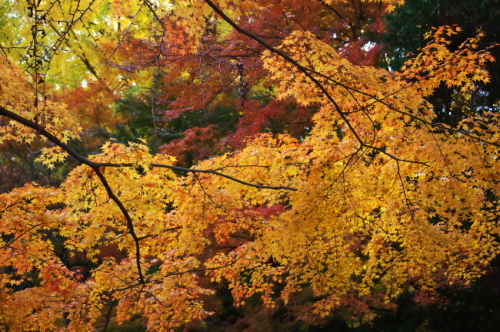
(436, 63)
(372, 196)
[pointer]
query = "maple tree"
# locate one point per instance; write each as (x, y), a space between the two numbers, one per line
(339, 184)
(222, 89)
(406, 27)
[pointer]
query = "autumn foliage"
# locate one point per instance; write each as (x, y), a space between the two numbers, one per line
(281, 164)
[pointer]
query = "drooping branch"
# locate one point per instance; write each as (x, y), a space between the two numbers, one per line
(95, 166)
(41, 130)
(309, 72)
(413, 116)
(288, 58)
(130, 224)
(97, 169)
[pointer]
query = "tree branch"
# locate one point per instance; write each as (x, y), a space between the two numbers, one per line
(41, 130)
(288, 58)
(96, 167)
(308, 72)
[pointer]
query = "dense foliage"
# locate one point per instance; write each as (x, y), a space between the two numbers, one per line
(249, 165)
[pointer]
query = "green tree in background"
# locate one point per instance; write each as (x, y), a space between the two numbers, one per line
(406, 27)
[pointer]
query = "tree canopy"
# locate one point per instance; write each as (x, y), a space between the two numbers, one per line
(259, 150)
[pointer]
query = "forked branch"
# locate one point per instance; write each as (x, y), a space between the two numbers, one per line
(97, 169)
(308, 72)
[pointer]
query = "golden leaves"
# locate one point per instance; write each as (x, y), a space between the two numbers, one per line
(436, 63)
(401, 202)
(27, 258)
